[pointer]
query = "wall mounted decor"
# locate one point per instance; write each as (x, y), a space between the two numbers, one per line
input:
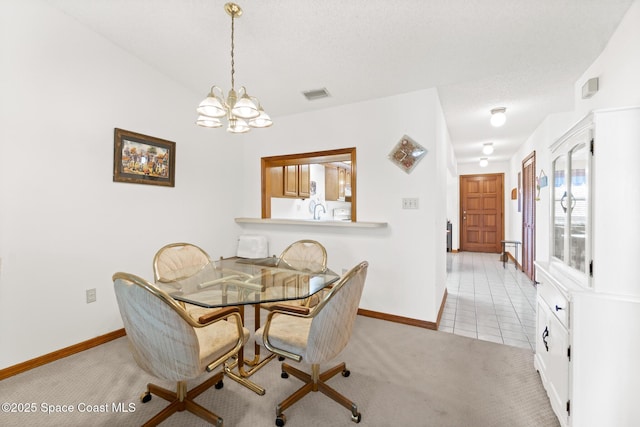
(541, 182)
(407, 153)
(542, 179)
(143, 159)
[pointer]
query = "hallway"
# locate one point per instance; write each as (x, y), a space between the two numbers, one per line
(489, 302)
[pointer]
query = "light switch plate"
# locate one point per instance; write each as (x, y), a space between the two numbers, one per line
(410, 203)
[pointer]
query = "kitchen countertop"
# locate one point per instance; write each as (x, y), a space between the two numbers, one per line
(311, 222)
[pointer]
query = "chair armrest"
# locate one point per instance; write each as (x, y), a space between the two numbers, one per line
(215, 315)
(289, 309)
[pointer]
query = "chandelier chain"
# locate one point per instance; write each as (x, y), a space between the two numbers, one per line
(232, 48)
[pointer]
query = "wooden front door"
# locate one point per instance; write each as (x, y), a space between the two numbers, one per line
(482, 206)
(529, 214)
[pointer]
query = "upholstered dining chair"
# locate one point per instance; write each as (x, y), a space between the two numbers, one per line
(178, 261)
(305, 255)
(178, 265)
(315, 335)
(169, 344)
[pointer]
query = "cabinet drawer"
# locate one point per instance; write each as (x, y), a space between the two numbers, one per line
(554, 298)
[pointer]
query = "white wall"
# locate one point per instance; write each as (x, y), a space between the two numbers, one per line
(617, 67)
(407, 259)
(64, 225)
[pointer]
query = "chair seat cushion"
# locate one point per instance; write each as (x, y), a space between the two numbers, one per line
(217, 339)
(288, 333)
(209, 336)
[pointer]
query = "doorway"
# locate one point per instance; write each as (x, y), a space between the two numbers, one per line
(482, 212)
(529, 214)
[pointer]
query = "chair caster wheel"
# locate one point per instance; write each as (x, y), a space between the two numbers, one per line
(346, 373)
(219, 385)
(145, 397)
(281, 420)
(284, 375)
(356, 419)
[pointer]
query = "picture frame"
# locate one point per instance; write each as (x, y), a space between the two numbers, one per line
(143, 159)
(407, 153)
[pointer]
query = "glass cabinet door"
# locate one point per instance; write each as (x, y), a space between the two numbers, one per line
(559, 206)
(570, 206)
(578, 207)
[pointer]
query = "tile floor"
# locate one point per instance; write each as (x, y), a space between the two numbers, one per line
(489, 302)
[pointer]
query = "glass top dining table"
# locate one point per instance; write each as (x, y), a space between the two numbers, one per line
(241, 281)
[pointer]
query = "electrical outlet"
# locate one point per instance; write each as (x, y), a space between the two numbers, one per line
(411, 203)
(91, 295)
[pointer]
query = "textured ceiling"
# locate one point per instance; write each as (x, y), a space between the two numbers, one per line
(520, 54)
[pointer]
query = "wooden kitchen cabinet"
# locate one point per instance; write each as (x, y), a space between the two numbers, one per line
(336, 181)
(341, 182)
(304, 184)
(290, 181)
(331, 183)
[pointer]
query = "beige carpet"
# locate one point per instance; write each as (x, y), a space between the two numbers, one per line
(400, 376)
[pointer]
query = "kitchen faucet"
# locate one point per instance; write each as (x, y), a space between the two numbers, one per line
(315, 210)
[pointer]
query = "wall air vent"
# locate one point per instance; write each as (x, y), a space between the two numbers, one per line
(316, 94)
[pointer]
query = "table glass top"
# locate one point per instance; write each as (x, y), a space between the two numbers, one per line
(238, 281)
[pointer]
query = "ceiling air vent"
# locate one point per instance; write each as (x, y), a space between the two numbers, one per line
(316, 94)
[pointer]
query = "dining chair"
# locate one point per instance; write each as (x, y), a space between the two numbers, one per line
(169, 344)
(315, 335)
(177, 261)
(180, 265)
(304, 255)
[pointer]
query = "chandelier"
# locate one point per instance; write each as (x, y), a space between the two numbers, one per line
(242, 111)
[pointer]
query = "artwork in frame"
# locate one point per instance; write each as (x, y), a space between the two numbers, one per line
(407, 153)
(143, 159)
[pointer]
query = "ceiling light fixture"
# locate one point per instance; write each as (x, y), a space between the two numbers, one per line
(498, 116)
(241, 110)
(484, 161)
(487, 148)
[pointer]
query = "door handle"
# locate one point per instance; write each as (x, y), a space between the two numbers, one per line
(545, 334)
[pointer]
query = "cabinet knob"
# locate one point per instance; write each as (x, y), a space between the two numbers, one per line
(558, 308)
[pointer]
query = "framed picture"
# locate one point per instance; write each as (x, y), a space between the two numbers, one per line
(143, 159)
(407, 153)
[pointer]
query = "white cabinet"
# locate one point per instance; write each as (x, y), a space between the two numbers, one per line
(588, 306)
(552, 343)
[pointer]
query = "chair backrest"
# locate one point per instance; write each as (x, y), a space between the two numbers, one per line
(162, 341)
(332, 324)
(305, 255)
(177, 261)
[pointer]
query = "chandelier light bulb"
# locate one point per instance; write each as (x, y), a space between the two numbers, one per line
(484, 162)
(498, 116)
(487, 148)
